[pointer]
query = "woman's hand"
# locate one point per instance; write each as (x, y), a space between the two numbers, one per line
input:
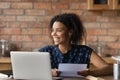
(55, 72)
(84, 72)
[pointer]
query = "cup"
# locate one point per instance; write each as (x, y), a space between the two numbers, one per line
(116, 71)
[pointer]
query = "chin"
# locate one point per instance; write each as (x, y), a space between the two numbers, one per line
(56, 43)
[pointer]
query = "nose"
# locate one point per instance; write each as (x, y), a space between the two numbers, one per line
(53, 33)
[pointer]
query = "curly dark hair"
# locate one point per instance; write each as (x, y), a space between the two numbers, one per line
(72, 22)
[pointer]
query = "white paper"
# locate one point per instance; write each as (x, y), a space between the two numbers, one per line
(3, 76)
(70, 70)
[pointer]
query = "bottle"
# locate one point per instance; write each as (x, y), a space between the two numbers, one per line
(99, 49)
(116, 70)
(5, 49)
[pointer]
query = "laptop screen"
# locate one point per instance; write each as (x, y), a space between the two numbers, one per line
(31, 65)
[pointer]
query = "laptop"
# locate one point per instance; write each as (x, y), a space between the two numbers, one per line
(31, 65)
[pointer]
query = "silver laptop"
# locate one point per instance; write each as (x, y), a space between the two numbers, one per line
(31, 65)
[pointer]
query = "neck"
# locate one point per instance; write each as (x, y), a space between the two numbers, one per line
(64, 48)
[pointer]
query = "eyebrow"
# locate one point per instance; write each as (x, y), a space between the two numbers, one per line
(57, 28)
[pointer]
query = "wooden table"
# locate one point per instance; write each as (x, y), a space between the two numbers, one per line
(5, 63)
(101, 78)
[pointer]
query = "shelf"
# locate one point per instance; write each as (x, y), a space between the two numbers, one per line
(103, 4)
(116, 4)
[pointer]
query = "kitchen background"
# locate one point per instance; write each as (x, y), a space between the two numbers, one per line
(24, 23)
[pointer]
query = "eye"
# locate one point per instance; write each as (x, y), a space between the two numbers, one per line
(59, 30)
(51, 30)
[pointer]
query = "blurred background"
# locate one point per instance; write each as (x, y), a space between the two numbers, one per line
(25, 24)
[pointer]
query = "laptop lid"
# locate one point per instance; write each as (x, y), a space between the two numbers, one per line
(31, 65)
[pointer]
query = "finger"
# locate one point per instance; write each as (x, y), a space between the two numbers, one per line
(58, 73)
(54, 72)
(83, 73)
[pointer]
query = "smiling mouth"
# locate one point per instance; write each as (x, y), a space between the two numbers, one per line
(56, 39)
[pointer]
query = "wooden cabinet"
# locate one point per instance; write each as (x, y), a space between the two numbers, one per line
(116, 4)
(103, 4)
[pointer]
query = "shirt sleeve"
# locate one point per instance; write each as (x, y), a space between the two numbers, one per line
(43, 49)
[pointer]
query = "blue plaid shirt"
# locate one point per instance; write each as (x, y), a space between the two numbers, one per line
(78, 54)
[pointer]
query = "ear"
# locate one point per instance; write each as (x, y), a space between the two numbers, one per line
(70, 32)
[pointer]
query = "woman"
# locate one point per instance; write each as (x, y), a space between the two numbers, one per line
(67, 33)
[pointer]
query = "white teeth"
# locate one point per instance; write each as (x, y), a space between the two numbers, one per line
(56, 39)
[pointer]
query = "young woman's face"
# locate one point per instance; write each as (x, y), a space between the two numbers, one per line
(60, 33)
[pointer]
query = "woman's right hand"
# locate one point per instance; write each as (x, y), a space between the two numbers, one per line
(84, 72)
(55, 72)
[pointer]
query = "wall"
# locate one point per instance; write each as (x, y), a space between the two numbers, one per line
(25, 23)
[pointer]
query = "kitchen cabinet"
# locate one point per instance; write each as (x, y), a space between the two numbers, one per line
(103, 4)
(116, 4)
